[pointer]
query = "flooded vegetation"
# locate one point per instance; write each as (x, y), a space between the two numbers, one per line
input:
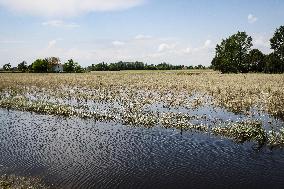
(141, 94)
(15, 182)
(245, 107)
(142, 129)
(77, 153)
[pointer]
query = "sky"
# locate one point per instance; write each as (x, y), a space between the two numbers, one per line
(153, 31)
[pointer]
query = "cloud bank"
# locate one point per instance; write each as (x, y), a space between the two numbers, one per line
(67, 8)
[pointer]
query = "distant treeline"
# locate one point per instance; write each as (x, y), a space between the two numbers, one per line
(47, 65)
(52, 64)
(138, 66)
(234, 55)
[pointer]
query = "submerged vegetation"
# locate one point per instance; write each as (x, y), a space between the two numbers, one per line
(242, 107)
(244, 131)
(17, 182)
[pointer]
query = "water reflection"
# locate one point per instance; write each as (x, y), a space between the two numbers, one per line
(74, 153)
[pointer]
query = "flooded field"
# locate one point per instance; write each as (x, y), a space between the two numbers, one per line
(75, 153)
(143, 129)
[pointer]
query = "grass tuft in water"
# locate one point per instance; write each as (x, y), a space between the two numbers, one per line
(276, 138)
(242, 132)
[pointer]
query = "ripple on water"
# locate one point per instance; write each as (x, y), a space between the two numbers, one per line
(74, 153)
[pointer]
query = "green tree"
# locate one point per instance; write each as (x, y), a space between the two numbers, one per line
(150, 67)
(79, 69)
(70, 67)
(164, 66)
(40, 65)
(100, 67)
(30, 68)
(272, 64)
(232, 53)
(22, 66)
(52, 61)
(198, 67)
(7, 67)
(255, 61)
(277, 44)
(114, 67)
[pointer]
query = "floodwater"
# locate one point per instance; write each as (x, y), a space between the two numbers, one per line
(75, 153)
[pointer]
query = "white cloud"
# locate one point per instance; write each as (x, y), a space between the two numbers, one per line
(164, 46)
(51, 44)
(261, 41)
(60, 23)
(252, 19)
(188, 50)
(118, 43)
(67, 7)
(208, 45)
(142, 37)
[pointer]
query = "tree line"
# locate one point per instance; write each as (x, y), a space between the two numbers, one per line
(138, 66)
(234, 55)
(48, 64)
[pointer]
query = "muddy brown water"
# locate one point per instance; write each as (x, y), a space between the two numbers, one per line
(75, 153)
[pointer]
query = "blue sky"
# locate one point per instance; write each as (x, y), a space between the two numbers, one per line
(91, 31)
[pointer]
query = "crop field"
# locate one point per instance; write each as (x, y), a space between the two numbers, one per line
(242, 107)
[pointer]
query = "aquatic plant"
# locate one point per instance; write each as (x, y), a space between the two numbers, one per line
(276, 138)
(181, 121)
(242, 132)
(18, 182)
